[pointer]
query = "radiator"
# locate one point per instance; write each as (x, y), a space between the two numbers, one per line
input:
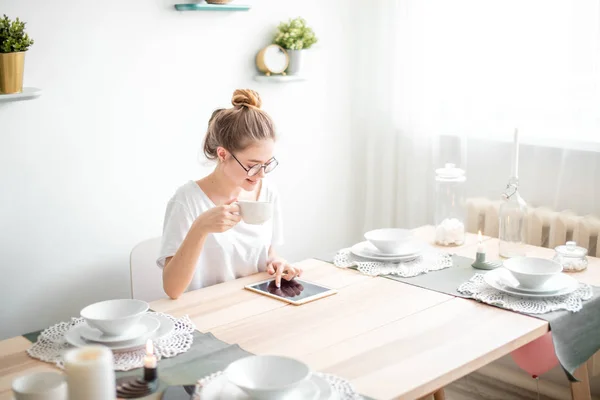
(545, 227)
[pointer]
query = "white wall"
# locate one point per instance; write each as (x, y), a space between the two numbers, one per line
(86, 169)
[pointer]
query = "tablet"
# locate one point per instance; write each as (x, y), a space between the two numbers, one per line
(296, 291)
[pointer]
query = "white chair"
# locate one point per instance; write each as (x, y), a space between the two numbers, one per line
(146, 276)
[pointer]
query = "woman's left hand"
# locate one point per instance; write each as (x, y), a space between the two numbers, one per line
(281, 269)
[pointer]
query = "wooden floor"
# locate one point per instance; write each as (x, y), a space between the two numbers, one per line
(480, 387)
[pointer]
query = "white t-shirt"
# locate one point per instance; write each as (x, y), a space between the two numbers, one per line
(240, 251)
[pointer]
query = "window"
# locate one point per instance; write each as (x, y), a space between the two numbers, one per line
(484, 67)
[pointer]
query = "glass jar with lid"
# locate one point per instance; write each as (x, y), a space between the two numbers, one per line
(450, 205)
(571, 257)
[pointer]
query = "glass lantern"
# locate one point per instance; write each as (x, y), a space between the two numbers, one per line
(512, 221)
(450, 205)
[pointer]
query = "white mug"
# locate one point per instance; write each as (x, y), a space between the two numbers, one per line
(255, 212)
(40, 386)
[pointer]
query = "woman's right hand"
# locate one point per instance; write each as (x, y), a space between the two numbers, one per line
(219, 219)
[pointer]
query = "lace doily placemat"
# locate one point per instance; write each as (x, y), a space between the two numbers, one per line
(51, 344)
(477, 289)
(343, 388)
(430, 260)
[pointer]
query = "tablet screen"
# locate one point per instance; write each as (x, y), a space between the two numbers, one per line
(295, 289)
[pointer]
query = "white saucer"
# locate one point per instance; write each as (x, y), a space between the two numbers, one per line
(315, 388)
(73, 336)
(144, 328)
(501, 279)
(367, 250)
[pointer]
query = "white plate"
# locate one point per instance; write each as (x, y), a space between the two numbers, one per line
(557, 283)
(367, 250)
(73, 336)
(501, 279)
(315, 388)
(143, 329)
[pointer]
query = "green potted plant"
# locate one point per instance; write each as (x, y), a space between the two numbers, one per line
(14, 42)
(295, 37)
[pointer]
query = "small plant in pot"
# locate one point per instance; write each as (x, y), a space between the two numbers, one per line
(14, 42)
(295, 37)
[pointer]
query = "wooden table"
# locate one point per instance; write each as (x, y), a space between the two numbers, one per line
(390, 339)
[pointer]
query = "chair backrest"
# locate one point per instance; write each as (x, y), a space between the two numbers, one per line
(146, 276)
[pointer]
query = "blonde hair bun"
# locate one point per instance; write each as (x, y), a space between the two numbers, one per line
(238, 127)
(246, 98)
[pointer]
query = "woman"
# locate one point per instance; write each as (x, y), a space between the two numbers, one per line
(204, 241)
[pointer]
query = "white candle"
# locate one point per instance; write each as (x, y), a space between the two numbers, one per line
(516, 155)
(480, 247)
(150, 359)
(90, 373)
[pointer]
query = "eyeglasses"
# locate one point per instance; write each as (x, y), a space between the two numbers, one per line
(255, 169)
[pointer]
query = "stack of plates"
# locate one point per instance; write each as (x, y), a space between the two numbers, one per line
(558, 285)
(366, 250)
(152, 327)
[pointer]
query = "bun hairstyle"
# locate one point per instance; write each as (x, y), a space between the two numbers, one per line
(238, 127)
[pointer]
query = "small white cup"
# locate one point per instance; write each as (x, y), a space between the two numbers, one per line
(40, 386)
(255, 212)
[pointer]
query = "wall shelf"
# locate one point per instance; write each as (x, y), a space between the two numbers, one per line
(28, 93)
(279, 78)
(211, 7)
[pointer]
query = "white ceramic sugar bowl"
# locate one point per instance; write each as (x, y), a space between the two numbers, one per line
(571, 257)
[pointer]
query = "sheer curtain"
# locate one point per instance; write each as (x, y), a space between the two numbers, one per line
(448, 81)
(395, 143)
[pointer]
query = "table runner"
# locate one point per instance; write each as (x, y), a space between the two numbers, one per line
(206, 356)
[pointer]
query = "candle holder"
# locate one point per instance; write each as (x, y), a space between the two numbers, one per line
(150, 374)
(130, 387)
(480, 263)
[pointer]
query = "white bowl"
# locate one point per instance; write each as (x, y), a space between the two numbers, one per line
(114, 317)
(532, 272)
(40, 386)
(267, 377)
(389, 240)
